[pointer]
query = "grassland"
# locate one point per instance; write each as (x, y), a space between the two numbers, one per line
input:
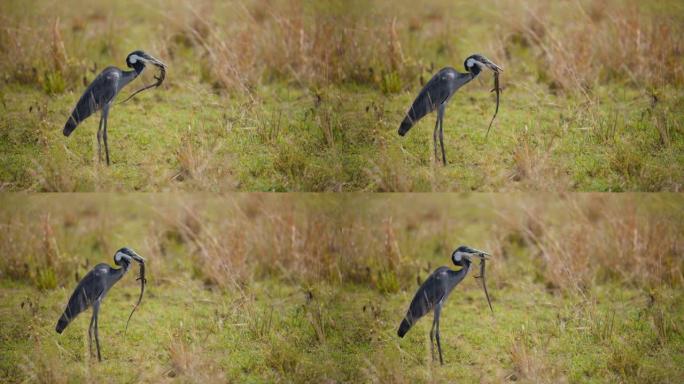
(311, 288)
(307, 96)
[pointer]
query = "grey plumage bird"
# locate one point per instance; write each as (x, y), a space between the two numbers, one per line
(437, 93)
(101, 92)
(93, 288)
(435, 290)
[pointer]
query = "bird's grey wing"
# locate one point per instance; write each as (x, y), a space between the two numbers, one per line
(86, 292)
(100, 92)
(437, 91)
(432, 291)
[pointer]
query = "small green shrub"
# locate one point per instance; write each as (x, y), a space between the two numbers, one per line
(387, 282)
(390, 83)
(53, 83)
(45, 279)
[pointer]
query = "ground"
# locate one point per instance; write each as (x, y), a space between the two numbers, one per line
(345, 334)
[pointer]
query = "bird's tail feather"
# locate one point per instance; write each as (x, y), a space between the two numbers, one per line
(70, 125)
(62, 323)
(404, 327)
(405, 126)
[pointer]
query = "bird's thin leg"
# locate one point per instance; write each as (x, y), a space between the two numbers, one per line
(96, 310)
(432, 339)
(90, 334)
(105, 113)
(434, 137)
(438, 310)
(440, 117)
(441, 140)
(99, 137)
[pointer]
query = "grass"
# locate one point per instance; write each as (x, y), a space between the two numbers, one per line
(317, 108)
(302, 288)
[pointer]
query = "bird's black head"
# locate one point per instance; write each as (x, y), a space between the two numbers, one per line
(138, 59)
(476, 63)
(124, 256)
(463, 255)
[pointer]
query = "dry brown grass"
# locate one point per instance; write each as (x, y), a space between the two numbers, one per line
(43, 369)
(290, 241)
(385, 174)
(530, 365)
(574, 241)
(38, 54)
(239, 45)
(190, 364)
(529, 358)
(607, 42)
(200, 162)
(595, 239)
(533, 164)
(300, 42)
(36, 252)
(351, 41)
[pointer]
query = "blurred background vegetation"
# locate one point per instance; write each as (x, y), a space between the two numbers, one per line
(307, 95)
(307, 287)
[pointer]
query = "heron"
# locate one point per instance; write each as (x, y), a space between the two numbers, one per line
(439, 91)
(434, 291)
(93, 288)
(101, 93)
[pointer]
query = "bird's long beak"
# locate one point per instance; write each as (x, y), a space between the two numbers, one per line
(137, 257)
(154, 61)
(489, 64)
(481, 254)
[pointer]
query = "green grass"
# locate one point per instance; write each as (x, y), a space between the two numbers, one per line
(198, 141)
(336, 136)
(345, 333)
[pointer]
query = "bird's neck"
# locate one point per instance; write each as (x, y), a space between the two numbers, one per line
(463, 79)
(122, 271)
(465, 268)
(466, 77)
(457, 276)
(128, 76)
